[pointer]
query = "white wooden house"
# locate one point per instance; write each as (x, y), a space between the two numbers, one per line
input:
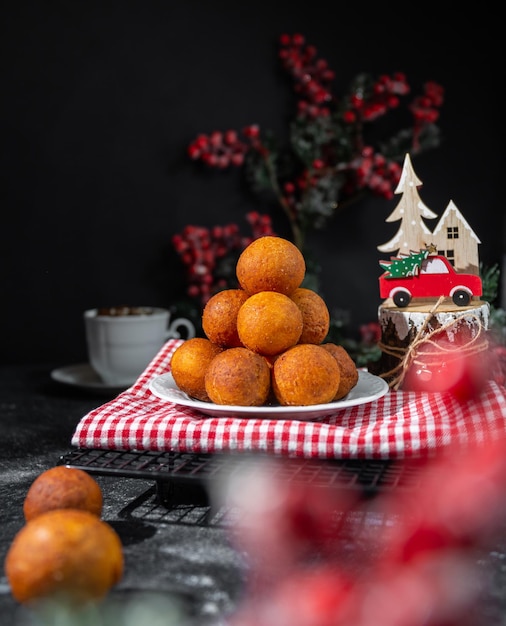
(456, 240)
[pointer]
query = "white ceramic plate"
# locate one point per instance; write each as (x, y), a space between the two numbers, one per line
(367, 389)
(83, 376)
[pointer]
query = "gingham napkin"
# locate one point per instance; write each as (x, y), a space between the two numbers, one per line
(401, 424)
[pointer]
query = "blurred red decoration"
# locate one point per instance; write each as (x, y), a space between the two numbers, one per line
(462, 374)
(320, 556)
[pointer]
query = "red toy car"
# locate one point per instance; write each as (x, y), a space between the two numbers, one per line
(436, 277)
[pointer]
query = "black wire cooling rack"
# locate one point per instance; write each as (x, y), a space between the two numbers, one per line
(370, 476)
(182, 481)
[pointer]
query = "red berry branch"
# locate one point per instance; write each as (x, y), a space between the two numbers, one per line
(330, 160)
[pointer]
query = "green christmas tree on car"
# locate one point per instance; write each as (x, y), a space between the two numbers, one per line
(405, 265)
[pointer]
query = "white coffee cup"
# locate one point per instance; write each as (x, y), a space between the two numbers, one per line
(122, 341)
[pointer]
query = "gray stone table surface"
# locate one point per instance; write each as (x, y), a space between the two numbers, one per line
(187, 572)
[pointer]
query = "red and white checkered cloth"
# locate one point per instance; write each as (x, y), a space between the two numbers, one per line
(398, 425)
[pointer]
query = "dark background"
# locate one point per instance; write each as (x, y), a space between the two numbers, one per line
(101, 99)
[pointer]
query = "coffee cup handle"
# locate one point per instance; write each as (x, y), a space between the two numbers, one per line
(176, 325)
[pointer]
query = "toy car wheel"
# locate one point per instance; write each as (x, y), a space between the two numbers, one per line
(401, 298)
(461, 297)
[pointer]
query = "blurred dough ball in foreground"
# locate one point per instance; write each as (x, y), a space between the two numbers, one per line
(64, 555)
(63, 487)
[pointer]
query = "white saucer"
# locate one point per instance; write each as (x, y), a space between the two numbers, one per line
(83, 376)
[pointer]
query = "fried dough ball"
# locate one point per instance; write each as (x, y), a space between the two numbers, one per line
(68, 556)
(315, 315)
(269, 323)
(349, 371)
(270, 264)
(304, 375)
(189, 364)
(219, 318)
(238, 376)
(62, 487)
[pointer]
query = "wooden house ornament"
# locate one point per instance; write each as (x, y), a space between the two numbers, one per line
(456, 240)
(452, 237)
(431, 288)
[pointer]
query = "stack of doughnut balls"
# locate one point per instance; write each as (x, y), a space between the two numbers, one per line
(264, 342)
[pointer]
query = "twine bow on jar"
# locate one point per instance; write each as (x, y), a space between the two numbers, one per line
(428, 353)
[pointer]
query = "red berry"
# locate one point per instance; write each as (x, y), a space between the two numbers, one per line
(193, 151)
(230, 137)
(216, 138)
(349, 117)
(237, 158)
(251, 131)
